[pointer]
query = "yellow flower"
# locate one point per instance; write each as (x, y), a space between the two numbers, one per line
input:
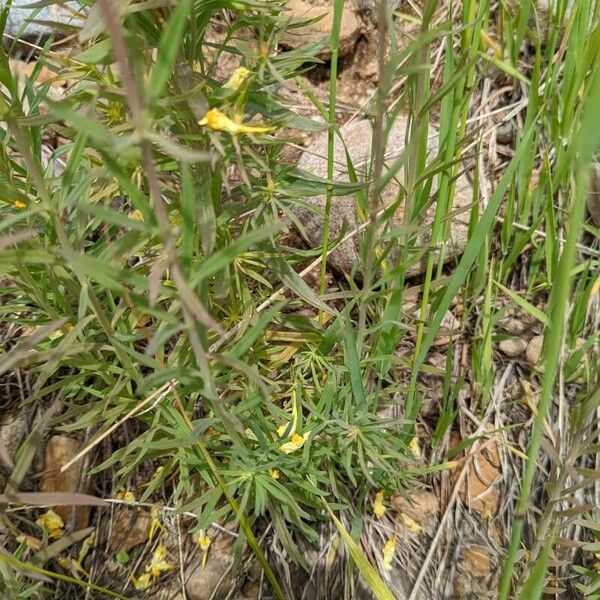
(204, 542)
(414, 447)
(143, 321)
(137, 215)
(52, 524)
(158, 564)
(294, 444)
(388, 553)
(142, 582)
(219, 121)
(237, 78)
(126, 496)
(155, 524)
(378, 505)
(20, 204)
(175, 218)
(274, 473)
(411, 524)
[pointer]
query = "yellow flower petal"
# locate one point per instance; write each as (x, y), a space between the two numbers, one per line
(378, 505)
(412, 525)
(294, 444)
(219, 121)
(204, 542)
(158, 564)
(52, 524)
(282, 429)
(155, 524)
(142, 582)
(237, 78)
(414, 447)
(388, 553)
(274, 473)
(250, 434)
(20, 204)
(126, 496)
(137, 215)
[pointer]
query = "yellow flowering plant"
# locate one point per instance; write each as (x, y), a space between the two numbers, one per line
(217, 120)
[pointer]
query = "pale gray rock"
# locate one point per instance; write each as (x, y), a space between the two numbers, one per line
(534, 350)
(13, 428)
(512, 347)
(213, 581)
(358, 137)
(32, 23)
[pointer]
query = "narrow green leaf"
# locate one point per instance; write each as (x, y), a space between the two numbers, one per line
(527, 306)
(168, 47)
(377, 586)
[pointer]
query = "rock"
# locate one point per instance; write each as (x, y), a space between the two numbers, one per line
(476, 572)
(358, 137)
(53, 20)
(370, 7)
(505, 133)
(12, 430)
(422, 507)
(130, 528)
(534, 350)
(59, 450)
(512, 347)
(593, 199)
(212, 581)
(300, 10)
(513, 326)
(479, 490)
(22, 71)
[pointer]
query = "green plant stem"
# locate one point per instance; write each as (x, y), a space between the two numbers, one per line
(15, 562)
(338, 8)
(559, 299)
(244, 525)
(190, 303)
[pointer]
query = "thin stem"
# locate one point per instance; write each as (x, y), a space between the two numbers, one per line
(338, 8)
(379, 148)
(552, 349)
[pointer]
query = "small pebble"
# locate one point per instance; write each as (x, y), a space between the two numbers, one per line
(512, 347)
(534, 350)
(505, 133)
(513, 326)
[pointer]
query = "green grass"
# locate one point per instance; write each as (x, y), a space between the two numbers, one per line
(155, 268)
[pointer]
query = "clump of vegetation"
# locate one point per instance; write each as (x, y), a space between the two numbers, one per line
(151, 276)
